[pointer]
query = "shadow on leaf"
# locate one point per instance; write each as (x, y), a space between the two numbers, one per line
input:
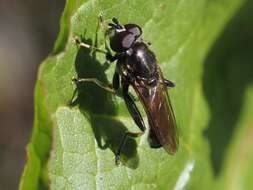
(98, 106)
(227, 73)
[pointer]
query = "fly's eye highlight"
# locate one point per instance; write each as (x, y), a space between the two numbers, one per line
(134, 29)
(122, 41)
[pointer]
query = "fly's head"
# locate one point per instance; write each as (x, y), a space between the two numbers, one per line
(122, 37)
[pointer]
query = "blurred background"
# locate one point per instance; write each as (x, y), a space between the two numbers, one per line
(27, 33)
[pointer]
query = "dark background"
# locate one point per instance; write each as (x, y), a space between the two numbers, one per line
(28, 30)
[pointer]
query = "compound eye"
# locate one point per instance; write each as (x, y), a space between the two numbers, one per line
(134, 29)
(122, 41)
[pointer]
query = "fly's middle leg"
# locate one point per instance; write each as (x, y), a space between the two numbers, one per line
(108, 88)
(113, 88)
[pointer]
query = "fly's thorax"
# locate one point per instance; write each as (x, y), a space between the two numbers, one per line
(143, 60)
(139, 61)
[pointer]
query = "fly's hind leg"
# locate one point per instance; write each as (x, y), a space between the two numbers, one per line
(132, 108)
(123, 142)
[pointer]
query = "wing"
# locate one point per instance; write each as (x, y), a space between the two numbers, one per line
(160, 115)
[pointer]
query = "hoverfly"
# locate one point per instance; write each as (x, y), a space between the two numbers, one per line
(136, 65)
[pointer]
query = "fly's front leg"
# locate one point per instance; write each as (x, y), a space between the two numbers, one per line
(168, 83)
(109, 57)
(132, 108)
(110, 88)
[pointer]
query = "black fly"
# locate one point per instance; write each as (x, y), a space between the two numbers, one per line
(137, 66)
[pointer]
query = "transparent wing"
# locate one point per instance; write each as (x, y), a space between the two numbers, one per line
(160, 115)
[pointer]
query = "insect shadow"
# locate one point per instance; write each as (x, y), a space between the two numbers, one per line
(98, 106)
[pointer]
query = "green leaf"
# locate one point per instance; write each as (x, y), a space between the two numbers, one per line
(72, 147)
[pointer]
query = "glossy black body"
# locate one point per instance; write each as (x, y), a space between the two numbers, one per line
(137, 63)
(137, 66)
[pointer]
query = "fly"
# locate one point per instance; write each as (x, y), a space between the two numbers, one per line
(136, 65)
